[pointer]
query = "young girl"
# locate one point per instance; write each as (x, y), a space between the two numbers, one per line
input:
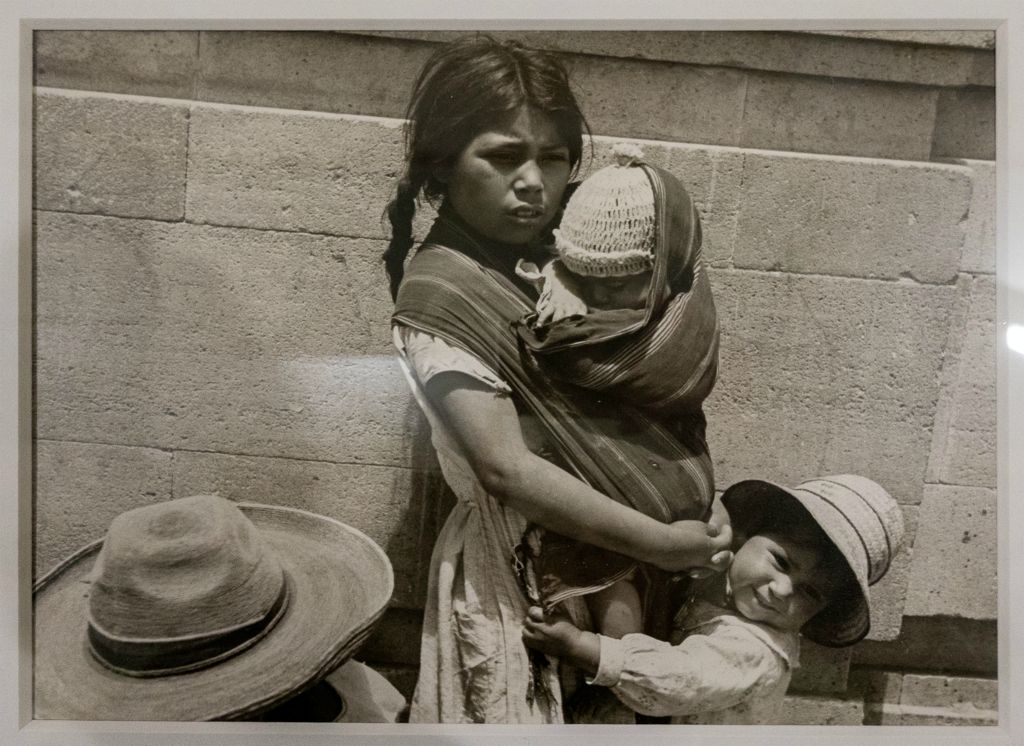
(803, 563)
(495, 133)
(649, 334)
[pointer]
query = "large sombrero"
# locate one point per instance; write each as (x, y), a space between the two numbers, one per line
(203, 609)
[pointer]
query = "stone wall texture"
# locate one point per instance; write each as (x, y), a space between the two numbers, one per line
(211, 314)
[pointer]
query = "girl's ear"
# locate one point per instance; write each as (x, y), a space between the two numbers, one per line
(442, 174)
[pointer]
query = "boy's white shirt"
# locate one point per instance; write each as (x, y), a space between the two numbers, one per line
(719, 668)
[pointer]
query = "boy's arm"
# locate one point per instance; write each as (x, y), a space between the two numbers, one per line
(703, 673)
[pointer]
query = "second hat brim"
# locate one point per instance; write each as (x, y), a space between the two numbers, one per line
(341, 582)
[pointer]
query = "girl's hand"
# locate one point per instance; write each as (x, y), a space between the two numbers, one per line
(555, 635)
(698, 547)
(560, 297)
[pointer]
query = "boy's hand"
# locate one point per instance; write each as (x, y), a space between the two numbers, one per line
(698, 547)
(560, 297)
(555, 635)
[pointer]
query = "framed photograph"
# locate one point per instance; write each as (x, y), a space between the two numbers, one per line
(268, 466)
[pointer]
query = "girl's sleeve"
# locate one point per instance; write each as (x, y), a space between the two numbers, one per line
(705, 672)
(428, 356)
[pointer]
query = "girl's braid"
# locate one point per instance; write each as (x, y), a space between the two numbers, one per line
(400, 212)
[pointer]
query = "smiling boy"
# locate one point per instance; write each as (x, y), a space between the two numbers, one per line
(804, 558)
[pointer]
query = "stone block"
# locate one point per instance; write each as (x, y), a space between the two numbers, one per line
(839, 117)
(954, 566)
(852, 217)
(151, 63)
(880, 691)
(677, 103)
(321, 173)
(373, 499)
(979, 253)
(946, 716)
(837, 375)
(964, 444)
(795, 52)
(976, 39)
(799, 710)
(965, 124)
(939, 644)
(107, 154)
(712, 176)
(81, 487)
(216, 339)
(888, 596)
(876, 686)
(957, 692)
(312, 70)
(822, 670)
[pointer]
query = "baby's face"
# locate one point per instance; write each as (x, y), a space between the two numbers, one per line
(606, 293)
(778, 582)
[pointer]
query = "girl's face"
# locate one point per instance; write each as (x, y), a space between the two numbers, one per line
(507, 183)
(778, 582)
(606, 293)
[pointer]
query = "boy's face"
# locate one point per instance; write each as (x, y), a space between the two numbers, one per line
(778, 582)
(607, 293)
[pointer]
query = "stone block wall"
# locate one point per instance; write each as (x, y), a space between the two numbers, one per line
(211, 314)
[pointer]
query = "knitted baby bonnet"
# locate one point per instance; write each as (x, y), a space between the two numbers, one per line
(607, 228)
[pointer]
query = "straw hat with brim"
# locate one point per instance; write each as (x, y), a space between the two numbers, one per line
(861, 519)
(203, 609)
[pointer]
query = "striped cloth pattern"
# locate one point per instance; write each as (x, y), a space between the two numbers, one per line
(456, 289)
(663, 357)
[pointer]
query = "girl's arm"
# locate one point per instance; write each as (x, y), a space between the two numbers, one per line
(487, 426)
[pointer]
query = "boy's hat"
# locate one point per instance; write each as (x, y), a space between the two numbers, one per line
(861, 519)
(201, 609)
(607, 228)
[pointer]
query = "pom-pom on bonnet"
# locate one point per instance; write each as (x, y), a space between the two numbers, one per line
(607, 229)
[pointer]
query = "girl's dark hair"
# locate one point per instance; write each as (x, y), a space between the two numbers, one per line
(466, 87)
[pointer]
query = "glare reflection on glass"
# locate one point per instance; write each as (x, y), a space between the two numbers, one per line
(1015, 338)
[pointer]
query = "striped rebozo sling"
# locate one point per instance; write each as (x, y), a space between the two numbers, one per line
(464, 291)
(663, 357)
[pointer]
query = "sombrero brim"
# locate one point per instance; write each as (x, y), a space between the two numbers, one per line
(846, 620)
(341, 582)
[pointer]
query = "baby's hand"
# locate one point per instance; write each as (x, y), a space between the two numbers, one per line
(698, 547)
(560, 297)
(555, 635)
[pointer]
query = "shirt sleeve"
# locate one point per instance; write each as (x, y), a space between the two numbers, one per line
(704, 672)
(428, 356)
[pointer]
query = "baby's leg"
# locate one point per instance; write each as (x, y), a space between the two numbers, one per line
(616, 610)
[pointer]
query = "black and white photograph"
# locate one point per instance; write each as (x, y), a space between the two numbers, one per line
(515, 375)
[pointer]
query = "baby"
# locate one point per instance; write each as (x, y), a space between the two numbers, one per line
(605, 245)
(626, 310)
(804, 559)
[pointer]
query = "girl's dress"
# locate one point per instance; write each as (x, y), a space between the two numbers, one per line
(473, 665)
